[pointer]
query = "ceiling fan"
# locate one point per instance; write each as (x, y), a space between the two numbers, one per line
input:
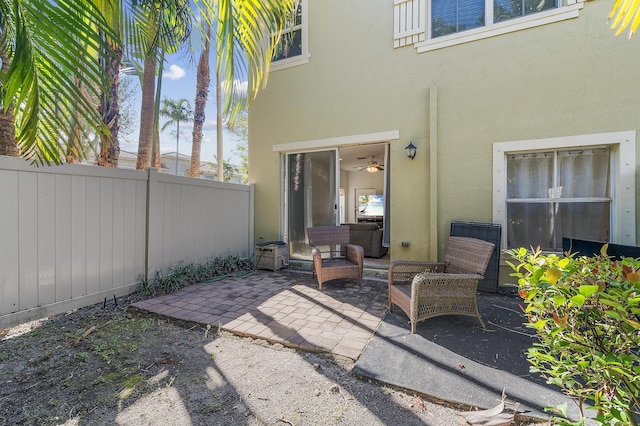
(372, 166)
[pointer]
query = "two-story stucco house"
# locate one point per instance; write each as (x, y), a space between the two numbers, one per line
(523, 113)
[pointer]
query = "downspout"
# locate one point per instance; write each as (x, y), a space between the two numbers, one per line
(433, 173)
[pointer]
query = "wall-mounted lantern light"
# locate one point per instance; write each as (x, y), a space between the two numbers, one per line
(411, 150)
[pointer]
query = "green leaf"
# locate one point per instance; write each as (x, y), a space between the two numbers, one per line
(620, 415)
(613, 314)
(633, 323)
(559, 300)
(540, 324)
(578, 299)
(622, 372)
(613, 304)
(588, 290)
(558, 409)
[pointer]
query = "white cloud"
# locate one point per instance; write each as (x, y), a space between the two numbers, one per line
(175, 72)
(209, 125)
(240, 86)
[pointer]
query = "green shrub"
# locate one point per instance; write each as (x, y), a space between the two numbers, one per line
(183, 275)
(586, 311)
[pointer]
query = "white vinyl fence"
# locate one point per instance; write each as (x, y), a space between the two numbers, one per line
(73, 235)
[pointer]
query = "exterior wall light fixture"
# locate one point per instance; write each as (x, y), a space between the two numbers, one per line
(411, 150)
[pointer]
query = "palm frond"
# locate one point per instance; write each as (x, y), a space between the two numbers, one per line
(625, 14)
(51, 47)
(247, 33)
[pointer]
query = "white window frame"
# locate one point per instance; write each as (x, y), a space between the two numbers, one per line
(304, 56)
(568, 9)
(623, 151)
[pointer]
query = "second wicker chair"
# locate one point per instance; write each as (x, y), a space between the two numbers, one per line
(424, 289)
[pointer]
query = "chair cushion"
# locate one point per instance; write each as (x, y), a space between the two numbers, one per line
(400, 295)
(369, 237)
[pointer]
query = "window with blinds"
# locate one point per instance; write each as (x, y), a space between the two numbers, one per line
(434, 24)
(452, 16)
(509, 9)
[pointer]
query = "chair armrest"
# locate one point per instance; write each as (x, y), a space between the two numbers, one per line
(316, 254)
(315, 251)
(403, 271)
(355, 253)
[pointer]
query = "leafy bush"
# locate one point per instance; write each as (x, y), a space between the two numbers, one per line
(586, 311)
(183, 275)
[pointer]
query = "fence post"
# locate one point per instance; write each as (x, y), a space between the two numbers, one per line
(153, 247)
(252, 211)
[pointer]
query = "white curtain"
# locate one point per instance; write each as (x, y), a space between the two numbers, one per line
(558, 194)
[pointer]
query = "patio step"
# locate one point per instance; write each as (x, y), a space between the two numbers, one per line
(378, 273)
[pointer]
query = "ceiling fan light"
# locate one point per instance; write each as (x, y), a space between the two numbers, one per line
(371, 168)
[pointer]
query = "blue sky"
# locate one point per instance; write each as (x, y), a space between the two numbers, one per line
(179, 81)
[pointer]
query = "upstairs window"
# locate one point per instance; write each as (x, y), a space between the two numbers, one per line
(508, 9)
(291, 42)
(452, 16)
(293, 47)
(435, 24)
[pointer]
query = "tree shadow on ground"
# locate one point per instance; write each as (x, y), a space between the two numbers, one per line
(109, 366)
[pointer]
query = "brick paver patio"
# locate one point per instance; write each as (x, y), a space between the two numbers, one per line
(283, 307)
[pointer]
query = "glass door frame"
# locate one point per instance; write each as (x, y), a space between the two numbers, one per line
(284, 172)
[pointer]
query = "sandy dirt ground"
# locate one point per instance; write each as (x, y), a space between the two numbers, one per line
(109, 365)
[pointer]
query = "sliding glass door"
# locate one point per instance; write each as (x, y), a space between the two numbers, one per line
(312, 188)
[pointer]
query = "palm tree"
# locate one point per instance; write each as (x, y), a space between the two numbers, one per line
(48, 47)
(176, 111)
(108, 106)
(219, 121)
(625, 13)
(242, 51)
(8, 144)
(202, 93)
(162, 27)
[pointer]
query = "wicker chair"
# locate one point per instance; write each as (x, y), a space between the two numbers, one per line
(425, 290)
(339, 258)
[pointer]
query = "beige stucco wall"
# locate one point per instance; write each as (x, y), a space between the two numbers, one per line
(568, 78)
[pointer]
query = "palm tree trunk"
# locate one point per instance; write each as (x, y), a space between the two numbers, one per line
(110, 111)
(202, 93)
(8, 143)
(146, 114)
(74, 151)
(156, 149)
(219, 154)
(177, 144)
